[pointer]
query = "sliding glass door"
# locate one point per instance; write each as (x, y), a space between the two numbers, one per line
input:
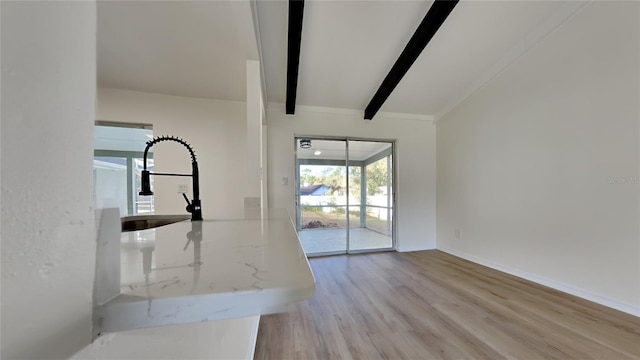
(321, 195)
(344, 195)
(371, 177)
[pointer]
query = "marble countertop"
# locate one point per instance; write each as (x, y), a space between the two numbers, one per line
(243, 263)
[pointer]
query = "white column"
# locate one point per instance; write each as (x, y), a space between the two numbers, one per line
(253, 183)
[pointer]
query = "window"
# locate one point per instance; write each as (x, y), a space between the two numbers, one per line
(117, 165)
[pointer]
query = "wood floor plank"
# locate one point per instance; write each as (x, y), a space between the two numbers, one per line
(432, 305)
(533, 303)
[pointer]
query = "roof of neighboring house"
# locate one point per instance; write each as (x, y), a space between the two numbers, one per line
(318, 189)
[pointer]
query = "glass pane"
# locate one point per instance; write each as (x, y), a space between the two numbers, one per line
(354, 217)
(125, 144)
(119, 138)
(110, 183)
(322, 195)
(378, 219)
(323, 217)
(374, 230)
(377, 196)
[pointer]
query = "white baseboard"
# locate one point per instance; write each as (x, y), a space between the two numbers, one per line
(614, 304)
(401, 248)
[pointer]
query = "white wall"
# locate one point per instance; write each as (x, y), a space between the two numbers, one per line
(415, 162)
(215, 128)
(48, 233)
(539, 169)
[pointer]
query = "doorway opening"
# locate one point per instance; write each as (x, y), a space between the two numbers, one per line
(344, 195)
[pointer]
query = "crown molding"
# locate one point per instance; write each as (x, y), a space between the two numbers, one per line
(274, 106)
(406, 116)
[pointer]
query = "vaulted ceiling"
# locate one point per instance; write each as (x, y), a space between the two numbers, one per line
(199, 48)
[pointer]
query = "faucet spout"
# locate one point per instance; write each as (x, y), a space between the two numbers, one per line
(194, 207)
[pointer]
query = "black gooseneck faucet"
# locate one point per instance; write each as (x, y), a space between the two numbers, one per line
(194, 207)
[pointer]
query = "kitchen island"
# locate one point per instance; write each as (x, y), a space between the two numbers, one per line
(224, 272)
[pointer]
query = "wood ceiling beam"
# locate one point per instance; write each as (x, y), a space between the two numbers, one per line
(436, 15)
(296, 10)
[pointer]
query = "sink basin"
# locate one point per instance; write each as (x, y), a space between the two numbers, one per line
(143, 222)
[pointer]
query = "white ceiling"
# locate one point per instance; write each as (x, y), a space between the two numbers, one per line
(186, 48)
(200, 48)
(348, 47)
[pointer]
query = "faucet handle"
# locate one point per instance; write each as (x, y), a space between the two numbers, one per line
(193, 208)
(189, 206)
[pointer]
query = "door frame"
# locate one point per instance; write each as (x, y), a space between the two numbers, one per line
(392, 201)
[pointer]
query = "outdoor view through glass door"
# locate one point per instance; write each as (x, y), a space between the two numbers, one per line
(344, 195)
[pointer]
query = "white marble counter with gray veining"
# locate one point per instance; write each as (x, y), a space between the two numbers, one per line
(242, 263)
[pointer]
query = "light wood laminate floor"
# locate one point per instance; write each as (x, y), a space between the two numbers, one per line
(431, 305)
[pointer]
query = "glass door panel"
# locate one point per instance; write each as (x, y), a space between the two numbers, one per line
(375, 223)
(322, 195)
